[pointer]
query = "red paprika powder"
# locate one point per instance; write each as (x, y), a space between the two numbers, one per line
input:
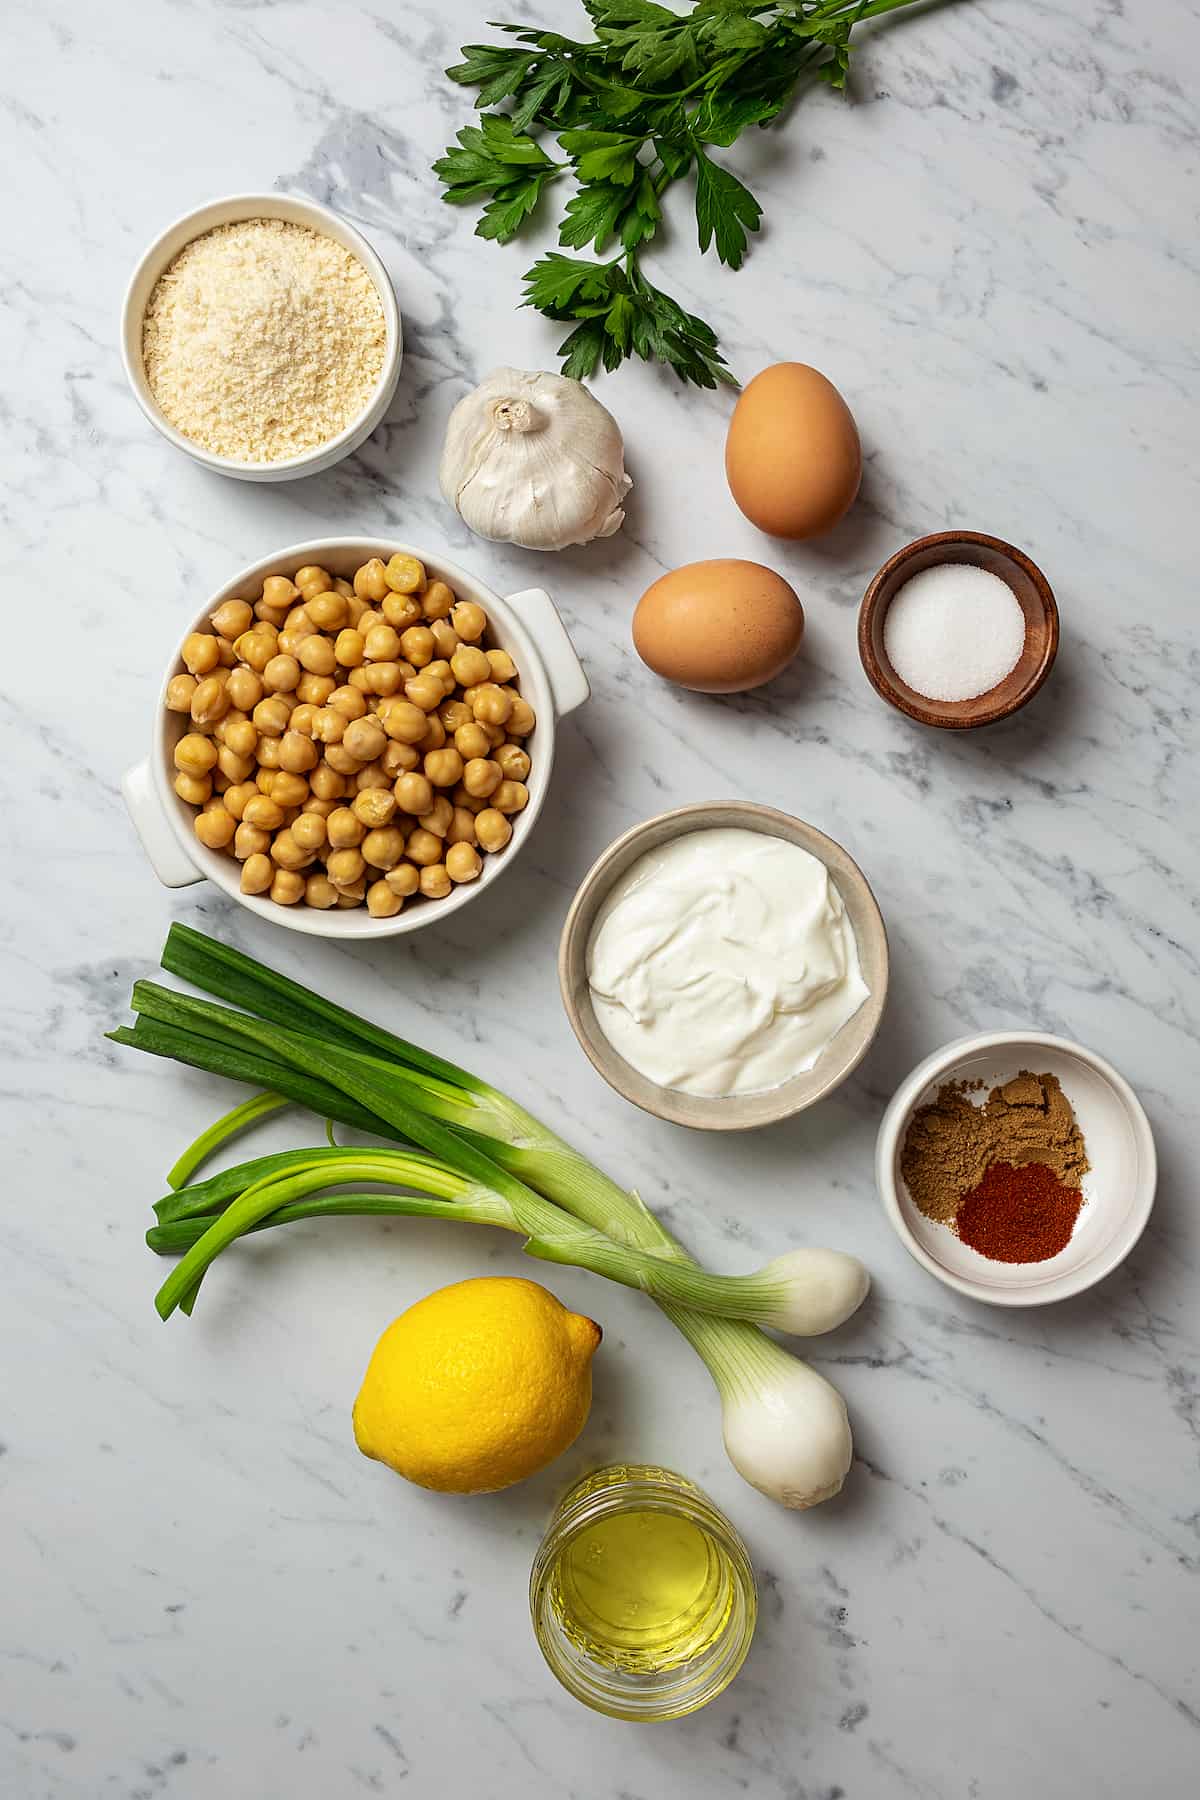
(1018, 1215)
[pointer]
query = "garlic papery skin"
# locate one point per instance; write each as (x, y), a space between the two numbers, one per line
(532, 458)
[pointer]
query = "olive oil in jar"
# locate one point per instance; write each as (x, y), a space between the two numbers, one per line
(642, 1594)
(642, 1591)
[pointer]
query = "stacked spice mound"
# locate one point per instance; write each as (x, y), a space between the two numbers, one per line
(1005, 1175)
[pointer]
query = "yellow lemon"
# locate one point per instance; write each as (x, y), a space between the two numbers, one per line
(477, 1386)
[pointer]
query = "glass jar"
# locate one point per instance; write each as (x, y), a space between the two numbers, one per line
(642, 1594)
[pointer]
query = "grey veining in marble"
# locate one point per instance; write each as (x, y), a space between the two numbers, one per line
(205, 1591)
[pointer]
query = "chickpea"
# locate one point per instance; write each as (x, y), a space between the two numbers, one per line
(281, 674)
(403, 879)
(495, 735)
(445, 637)
(382, 903)
(469, 620)
(231, 618)
(316, 655)
(271, 716)
(232, 766)
(270, 615)
(195, 789)
(372, 775)
(441, 668)
(370, 580)
(437, 600)
(241, 737)
(319, 891)
(374, 807)
(402, 720)
(297, 753)
(414, 794)
(341, 759)
(381, 644)
(383, 847)
(244, 688)
(502, 665)
(258, 872)
(264, 812)
(288, 853)
(314, 690)
(364, 739)
(470, 665)
(267, 753)
(368, 619)
(490, 704)
(328, 611)
(401, 610)
(359, 680)
(195, 755)
(492, 829)
(424, 848)
(278, 591)
(418, 645)
(425, 691)
(462, 826)
(444, 767)
(471, 741)
(264, 781)
(302, 717)
(228, 654)
(463, 862)
(384, 678)
(397, 759)
(180, 689)
(511, 797)
(343, 587)
(349, 648)
(351, 896)
(513, 761)
(287, 889)
(255, 649)
(289, 789)
(250, 840)
(454, 713)
(200, 653)
(309, 832)
(472, 803)
(329, 725)
(404, 574)
(326, 783)
(344, 829)
(320, 809)
(482, 777)
(522, 719)
(236, 797)
(434, 736)
(435, 883)
(220, 782)
(438, 818)
(312, 580)
(345, 868)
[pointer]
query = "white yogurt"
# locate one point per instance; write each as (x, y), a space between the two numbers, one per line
(724, 963)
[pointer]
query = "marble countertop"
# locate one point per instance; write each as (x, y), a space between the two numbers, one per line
(206, 1591)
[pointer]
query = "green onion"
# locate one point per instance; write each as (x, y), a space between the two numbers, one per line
(240, 1119)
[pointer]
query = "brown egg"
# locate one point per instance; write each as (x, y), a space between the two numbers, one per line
(792, 456)
(718, 627)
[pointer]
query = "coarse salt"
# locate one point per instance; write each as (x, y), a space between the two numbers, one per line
(954, 631)
(263, 339)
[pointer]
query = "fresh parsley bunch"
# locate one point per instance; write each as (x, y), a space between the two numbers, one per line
(639, 106)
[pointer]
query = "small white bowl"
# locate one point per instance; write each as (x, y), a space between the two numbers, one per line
(226, 212)
(1118, 1190)
(550, 675)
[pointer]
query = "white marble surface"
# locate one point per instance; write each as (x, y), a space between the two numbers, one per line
(205, 1590)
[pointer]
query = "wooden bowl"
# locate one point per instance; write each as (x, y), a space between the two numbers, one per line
(1034, 596)
(735, 1112)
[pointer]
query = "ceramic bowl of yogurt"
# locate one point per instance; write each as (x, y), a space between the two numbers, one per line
(724, 966)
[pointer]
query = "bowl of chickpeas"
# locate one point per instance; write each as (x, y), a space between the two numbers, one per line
(354, 738)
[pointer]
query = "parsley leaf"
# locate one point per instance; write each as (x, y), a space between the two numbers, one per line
(725, 210)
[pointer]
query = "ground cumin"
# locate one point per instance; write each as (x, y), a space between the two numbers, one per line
(951, 1143)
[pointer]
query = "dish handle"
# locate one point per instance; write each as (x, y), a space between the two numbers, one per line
(569, 685)
(173, 868)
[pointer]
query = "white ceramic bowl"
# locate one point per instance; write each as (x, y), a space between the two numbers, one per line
(733, 1112)
(550, 676)
(1118, 1190)
(225, 212)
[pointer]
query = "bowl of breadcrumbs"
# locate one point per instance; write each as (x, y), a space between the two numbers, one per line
(261, 335)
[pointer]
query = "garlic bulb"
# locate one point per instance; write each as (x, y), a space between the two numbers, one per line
(534, 459)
